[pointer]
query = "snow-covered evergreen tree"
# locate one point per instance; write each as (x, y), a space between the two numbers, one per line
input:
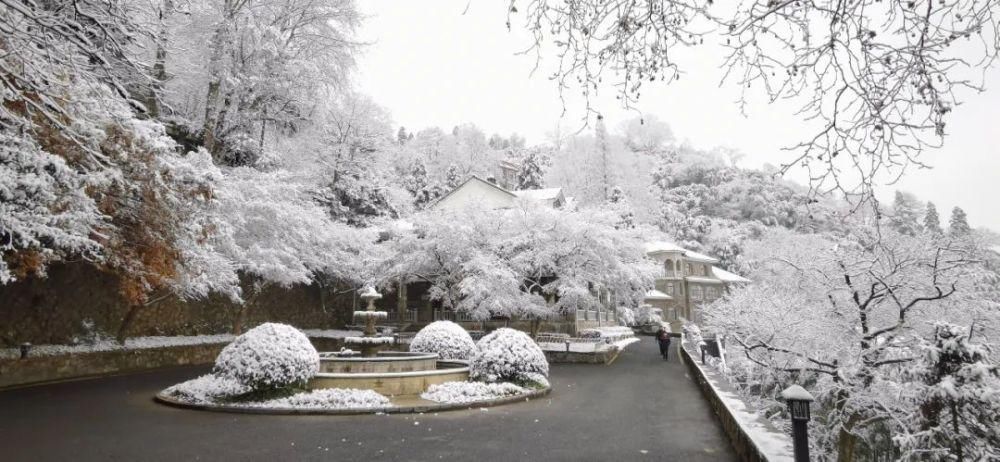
(905, 214)
(958, 225)
(956, 393)
(452, 177)
(932, 223)
(618, 202)
(531, 174)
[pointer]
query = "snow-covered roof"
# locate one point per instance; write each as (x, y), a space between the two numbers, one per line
(692, 255)
(547, 194)
(703, 280)
(657, 295)
(727, 277)
(663, 246)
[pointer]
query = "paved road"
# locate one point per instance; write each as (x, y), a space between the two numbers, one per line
(638, 408)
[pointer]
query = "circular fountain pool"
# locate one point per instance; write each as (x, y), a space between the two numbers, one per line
(390, 373)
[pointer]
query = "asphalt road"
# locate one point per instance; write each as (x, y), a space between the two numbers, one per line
(638, 408)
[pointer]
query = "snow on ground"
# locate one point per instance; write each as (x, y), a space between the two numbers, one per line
(468, 392)
(328, 398)
(142, 343)
(206, 389)
(213, 389)
(106, 344)
(588, 347)
(776, 446)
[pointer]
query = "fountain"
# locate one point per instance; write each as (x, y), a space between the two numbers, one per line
(391, 373)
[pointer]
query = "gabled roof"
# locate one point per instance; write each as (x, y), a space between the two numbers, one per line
(727, 277)
(472, 179)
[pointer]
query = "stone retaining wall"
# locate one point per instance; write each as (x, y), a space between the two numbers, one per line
(600, 357)
(745, 447)
(40, 369)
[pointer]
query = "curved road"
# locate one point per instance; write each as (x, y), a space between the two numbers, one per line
(638, 408)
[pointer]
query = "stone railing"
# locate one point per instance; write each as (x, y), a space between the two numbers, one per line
(444, 315)
(408, 316)
(753, 437)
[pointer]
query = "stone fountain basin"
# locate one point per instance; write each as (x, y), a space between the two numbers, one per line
(412, 382)
(385, 361)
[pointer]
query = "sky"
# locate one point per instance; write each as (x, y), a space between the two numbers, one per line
(449, 62)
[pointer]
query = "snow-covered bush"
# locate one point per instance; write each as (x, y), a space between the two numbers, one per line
(447, 339)
(269, 356)
(508, 355)
(329, 398)
(206, 389)
(468, 392)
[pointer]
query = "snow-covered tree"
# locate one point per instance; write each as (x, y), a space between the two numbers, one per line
(531, 174)
(844, 316)
(955, 390)
(958, 225)
(932, 223)
(648, 134)
(618, 201)
(905, 214)
(530, 261)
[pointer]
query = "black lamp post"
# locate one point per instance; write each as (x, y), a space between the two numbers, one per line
(25, 348)
(798, 400)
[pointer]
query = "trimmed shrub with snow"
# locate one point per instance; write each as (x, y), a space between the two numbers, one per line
(468, 392)
(206, 389)
(508, 355)
(330, 398)
(447, 339)
(267, 357)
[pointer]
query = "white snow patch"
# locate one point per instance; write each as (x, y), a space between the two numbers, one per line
(327, 398)
(468, 392)
(369, 340)
(136, 343)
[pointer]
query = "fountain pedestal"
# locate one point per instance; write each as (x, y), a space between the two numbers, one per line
(371, 343)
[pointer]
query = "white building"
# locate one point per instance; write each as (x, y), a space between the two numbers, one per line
(487, 195)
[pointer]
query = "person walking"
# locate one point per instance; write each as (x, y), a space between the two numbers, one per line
(663, 338)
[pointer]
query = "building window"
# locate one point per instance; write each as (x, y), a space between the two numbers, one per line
(697, 293)
(670, 288)
(687, 269)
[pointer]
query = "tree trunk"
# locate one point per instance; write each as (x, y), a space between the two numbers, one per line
(241, 317)
(130, 316)
(215, 76)
(160, 61)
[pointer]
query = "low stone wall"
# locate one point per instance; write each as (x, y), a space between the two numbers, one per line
(744, 445)
(40, 369)
(600, 357)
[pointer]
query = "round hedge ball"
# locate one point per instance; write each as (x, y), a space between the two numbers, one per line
(269, 356)
(447, 339)
(508, 355)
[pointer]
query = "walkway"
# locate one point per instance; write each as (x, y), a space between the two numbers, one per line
(638, 408)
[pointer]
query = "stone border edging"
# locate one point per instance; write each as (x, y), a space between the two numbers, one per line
(170, 401)
(745, 447)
